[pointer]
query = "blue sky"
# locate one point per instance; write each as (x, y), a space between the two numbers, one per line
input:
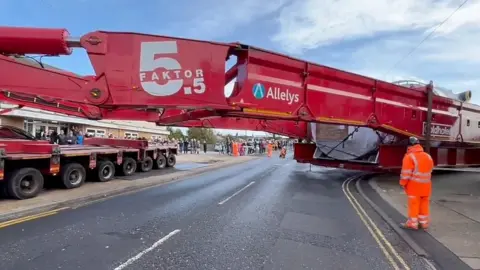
(346, 34)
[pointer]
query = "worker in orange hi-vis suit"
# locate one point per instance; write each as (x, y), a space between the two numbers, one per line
(415, 178)
(235, 149)
(269, 149)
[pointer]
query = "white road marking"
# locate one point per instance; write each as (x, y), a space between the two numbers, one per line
(236, 193)
(374, 230)
(429, 264)
(139, 255)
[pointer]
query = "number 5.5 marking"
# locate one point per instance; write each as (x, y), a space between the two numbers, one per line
(148, 62)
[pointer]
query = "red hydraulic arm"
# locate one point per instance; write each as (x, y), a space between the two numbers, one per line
(282, 127)
(137, 76)
(193, 118)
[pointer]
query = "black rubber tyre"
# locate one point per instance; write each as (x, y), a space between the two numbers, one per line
(160, 162)
(105, 171)
(3, 190)
(146, 165)
(72, 175)
(129, 166)
(24, 183)
(171, 160)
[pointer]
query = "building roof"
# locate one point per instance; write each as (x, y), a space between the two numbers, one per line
(37, 114)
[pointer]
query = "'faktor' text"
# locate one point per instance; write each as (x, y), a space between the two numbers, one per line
(171, 75)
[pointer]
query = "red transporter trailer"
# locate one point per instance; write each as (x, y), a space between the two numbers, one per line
(25, 162)
(148, 155)
(138, 76)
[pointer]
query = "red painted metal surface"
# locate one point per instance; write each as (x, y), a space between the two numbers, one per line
(303, 153)
(137, 76)
(282, 127)
(138, 144)
(21, 40)
(145, 71)
(390, 158)
(142, 145)
(25, 146)
(209, 119)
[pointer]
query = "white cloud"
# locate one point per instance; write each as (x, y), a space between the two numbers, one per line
(307, 24)
(382, 32)
(219, 18)
(451, 60)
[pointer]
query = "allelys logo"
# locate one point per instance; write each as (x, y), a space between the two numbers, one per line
(275, 93)
(162, 75)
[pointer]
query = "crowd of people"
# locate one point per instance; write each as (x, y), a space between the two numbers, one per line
(250, 147)
(63, 137)
(76, 136)
(245, 147)
(193, 146)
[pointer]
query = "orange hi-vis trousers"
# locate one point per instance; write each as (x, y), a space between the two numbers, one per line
(418, 211)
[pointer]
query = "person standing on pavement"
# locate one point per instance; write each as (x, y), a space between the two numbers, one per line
(185, 146)
(229, 146)
(54, 137)
(62, 138)
(204, 146)
(269, 149)
(70, 138)
(415, 178)
(80, 138)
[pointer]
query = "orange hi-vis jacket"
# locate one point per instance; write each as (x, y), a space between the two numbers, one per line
(416, 175)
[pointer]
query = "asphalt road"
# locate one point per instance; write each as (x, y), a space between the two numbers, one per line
(264, 214)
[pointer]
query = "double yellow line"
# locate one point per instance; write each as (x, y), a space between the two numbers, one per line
(32, 217)
(388, 250)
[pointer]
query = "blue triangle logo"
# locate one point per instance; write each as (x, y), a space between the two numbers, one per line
(258, 91)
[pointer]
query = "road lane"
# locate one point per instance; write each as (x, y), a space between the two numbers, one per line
(288, 219)
(145, 251)
(291, 219)
(98, 235)
(236, 193)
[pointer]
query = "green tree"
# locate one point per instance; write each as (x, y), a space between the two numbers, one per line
(175, 133)
(201, 134)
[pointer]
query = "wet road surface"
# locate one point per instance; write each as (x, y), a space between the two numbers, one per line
(263, 214)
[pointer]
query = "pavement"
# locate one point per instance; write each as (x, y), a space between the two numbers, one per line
(266, 213)
(454, 210)
(187, 165)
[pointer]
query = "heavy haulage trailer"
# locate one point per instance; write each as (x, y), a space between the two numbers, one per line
(177, 81)
(26, 163)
